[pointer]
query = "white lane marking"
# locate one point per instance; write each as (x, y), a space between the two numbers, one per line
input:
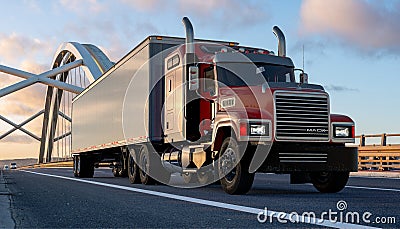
(234, 207)
(372, 188)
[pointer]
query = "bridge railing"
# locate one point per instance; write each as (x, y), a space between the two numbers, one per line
(380, 155)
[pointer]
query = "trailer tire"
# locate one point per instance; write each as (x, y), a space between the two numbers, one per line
(133, 170)
(145, 163)
(75, 163)
(83, 167)
(123, 171)
(329, 182)
(238, 180)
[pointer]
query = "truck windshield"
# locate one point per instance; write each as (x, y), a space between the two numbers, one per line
(234, 74)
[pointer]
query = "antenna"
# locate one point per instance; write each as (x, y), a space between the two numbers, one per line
(303, 58)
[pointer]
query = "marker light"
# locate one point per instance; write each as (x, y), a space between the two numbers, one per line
(243, 129)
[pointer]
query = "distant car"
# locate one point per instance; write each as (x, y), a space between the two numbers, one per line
(6, 167)
(13, 165)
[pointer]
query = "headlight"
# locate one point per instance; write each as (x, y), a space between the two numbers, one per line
(258, 130)
(343, 131)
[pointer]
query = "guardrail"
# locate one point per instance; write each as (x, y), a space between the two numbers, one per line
(381, 156)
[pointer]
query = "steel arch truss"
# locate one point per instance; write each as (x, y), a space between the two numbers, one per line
(68, 56)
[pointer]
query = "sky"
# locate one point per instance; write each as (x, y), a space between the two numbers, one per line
(351, 47)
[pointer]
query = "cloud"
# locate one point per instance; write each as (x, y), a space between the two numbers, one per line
(24, 102)
(113, 44)
(15, 47)
(34, 67)
(338, 88)
(84, 7)
(117, 39)
(24, 53)
(318, 47)
(12, 48)
(233, 13)
(145, 5)
(32, 5)
(16, 138)
(367, 25)
(230, 14)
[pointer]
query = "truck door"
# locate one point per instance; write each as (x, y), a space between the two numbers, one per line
(174, 124)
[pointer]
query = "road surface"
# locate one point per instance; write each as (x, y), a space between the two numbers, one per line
(53, 198)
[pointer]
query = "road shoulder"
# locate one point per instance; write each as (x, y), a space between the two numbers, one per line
(6, 220)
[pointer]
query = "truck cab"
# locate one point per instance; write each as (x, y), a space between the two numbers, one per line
(239, 110)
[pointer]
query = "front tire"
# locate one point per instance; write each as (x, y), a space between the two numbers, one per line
(329, 182)
(233, 169)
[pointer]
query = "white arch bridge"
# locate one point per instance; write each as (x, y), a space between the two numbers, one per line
(74, 67)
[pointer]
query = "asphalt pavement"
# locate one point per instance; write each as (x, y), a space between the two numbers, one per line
(53, 198)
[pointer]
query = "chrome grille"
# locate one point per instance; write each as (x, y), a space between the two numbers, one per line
(303, 157)
(302, 116)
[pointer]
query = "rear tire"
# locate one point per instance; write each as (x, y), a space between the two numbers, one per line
(329, 182)
(133, 170)
(236, 179)
(145, 165)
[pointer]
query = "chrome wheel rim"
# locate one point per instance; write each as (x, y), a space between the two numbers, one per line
(228, 165)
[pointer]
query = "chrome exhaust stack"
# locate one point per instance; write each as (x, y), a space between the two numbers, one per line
(191, 72)
(281, 40)
(189, 35)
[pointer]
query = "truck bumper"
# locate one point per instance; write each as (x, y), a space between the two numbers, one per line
(310, 157)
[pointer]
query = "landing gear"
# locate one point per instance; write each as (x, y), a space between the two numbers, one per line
(83, 166)
(329, 182)
(236, 178)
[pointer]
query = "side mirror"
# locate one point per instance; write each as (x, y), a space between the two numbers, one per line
(303, 78)
(193, 78)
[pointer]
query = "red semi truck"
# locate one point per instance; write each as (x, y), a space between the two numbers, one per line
(212, 111)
